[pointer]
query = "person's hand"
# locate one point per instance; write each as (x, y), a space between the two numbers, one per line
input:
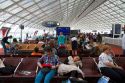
(119, 67)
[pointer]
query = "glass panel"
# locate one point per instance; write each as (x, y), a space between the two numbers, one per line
(13, 19)
(122, 6)
(29, 16)
(2, 1)
(5, 4)
(1, 24)
(33, 19)
(16, 10)
(12, 7)
(37, 12)
(13, 28)
(28, 4)
(45, 2)
(27, 23)
(42, 14)
(118, 2)
(16, 0)
(5, 16)
(33, 8)
(23, 13)
(20, 21)
(37, 0)
(51, 6)
(7, 25)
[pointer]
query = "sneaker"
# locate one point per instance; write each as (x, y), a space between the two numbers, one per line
(73, 79)
(80, 80)
(77, 80)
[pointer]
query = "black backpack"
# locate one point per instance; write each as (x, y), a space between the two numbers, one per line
(7, 70)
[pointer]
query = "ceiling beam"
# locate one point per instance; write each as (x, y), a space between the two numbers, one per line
(92, 5)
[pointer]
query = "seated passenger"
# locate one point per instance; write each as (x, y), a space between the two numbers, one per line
(36, 52)
(48, 64)
(109, 68)
(14, 46)
(71, 68)
(52, 45)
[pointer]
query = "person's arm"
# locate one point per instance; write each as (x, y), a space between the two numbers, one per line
(108, 63)
(39, 64)
(79, 64)
(40, 61)
(7, 42)
(57, 62)
(112, 65)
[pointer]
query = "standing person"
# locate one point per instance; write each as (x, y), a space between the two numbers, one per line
(4, 41)
(48, 64)
(99, 38)
(74, 45)
(14, 46)
(109, 68)
(123, 44)
(61, 39)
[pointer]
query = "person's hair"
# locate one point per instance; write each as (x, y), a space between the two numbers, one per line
(14, 40)
(105, 47)
(36, 49)
(47, 49)
(10, 36)
(52, 43)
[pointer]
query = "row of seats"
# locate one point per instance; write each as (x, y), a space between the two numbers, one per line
(26, 68)
(29, 46)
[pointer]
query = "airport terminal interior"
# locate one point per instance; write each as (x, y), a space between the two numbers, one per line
(62, 41)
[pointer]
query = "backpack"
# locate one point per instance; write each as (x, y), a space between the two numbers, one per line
(7, 70)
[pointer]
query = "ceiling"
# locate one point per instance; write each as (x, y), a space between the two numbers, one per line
(78, 14)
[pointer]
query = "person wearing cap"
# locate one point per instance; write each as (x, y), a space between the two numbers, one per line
(4, 41)
(48, 64)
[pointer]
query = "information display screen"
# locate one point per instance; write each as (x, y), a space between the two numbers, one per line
(65, 30)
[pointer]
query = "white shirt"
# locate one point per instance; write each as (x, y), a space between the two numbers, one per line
(123, 42)
(73, 39)
(88, 46)
(1, 64)
(103, 58)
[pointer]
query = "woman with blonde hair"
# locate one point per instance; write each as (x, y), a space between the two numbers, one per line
(108, 67)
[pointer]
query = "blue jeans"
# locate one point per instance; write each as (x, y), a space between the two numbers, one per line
(4, 47)
(46, 77)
